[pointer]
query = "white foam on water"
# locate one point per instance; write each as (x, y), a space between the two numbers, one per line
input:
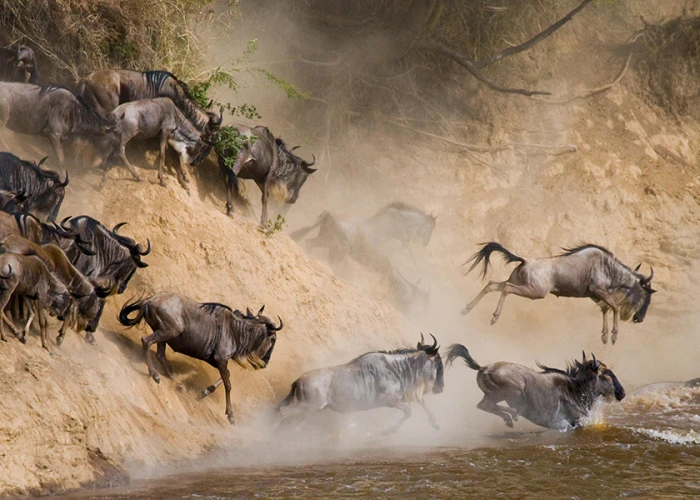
(670, 436)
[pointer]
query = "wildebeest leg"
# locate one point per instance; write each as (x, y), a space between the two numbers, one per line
(604, 332)
(43, 327)
(265, 197)
(182, 174)
(605, 297)
(62, 331)
(160, 354)
(493, 286)
(521, 290)
(431, 417)
(225, 376)
(4, 299)
(406, 415)
(211, 388)
(148, 341)
(125, 161)
(58, 149)
(490, 405)
(161, 158)
(28, 323)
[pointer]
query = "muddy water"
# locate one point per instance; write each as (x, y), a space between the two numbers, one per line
(646, 447)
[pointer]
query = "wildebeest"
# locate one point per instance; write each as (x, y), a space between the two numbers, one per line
(396, 221)
(160, 117)
(374, 380)
(42, 189)
(267, 161)
(208, 331)
(106, 89)
(17, 64)
(88, 294)
(28, 277)
(585, 271)
(556, 399)
(54, 112)
(115, 257)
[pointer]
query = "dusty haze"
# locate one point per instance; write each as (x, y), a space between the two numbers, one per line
(632, 185)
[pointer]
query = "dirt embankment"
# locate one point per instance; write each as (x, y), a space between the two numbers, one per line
(81, 415)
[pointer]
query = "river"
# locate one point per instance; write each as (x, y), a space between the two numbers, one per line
(645, 447)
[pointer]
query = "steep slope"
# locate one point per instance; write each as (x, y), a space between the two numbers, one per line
(80, 415)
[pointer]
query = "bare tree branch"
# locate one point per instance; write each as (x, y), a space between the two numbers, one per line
(469, 65)
(532, 41)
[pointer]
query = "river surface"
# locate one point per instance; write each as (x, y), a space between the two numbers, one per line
(647, 447)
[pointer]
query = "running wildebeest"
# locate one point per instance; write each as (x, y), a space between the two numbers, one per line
(28, 277)
(89, 294)
(30, 227)
(160, 117)
(106, 89)
(54, 112)
(556, 399)
(397, 220)
(374, 380)
(267, 161)
(585, 271)
(210, 332)
(43, 190)
(17, 64)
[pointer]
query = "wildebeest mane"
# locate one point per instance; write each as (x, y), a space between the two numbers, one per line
(400, 205)
(576, 370)
(156, 79)
(212, 307)
(584, 246)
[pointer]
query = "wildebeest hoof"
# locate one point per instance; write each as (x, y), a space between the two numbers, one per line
(613, 339)
(138, 179)
(23, 339)
(231, 419)
(436, 427)
(156, 377)
(188, 192)
(465, 311)
(90, 340)
(59, 340)
(494, 319)
(509, 423)
(389, 431)
(604, 338)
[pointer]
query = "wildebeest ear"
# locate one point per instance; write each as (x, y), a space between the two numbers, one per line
(637, 268)
(651, 290)
(41, 162)
(596, 365)
(261, 310)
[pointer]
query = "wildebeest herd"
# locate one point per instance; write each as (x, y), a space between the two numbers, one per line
(70, 268)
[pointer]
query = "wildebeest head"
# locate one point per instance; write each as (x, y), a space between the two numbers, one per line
(605, 383)
(24, 64)
(432, 351)
(264, 342)
(215, 120)
(643, 295)
(293, 169)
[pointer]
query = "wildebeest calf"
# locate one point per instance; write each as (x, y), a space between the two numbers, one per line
(553, 398)
(160, 117)
(209, 331)
(374, 380)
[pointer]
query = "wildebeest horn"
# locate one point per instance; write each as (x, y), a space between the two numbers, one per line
(278, 328)
(593, 356)
(637, 268)
(139, 247)
(422, 340)
(65, 181)
(248, 312)
(116, 228)
(432, 347)
(41, 162)
(210, 103)
(9, 273)
(261, 310)
(305, 165)
(295, 147)
(140, 263)
(646, 281)
(584, 356)
(103, 291)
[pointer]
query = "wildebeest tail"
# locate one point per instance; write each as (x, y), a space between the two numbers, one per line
(300, 233)
(290, 397)
(139, 305)
(459, 351)
(485, 254)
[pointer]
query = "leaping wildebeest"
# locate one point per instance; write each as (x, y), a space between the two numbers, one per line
(149, 118)
(42, 190)
(585, 271)
(267, 161)
(374, 380)
(210, 332)
(54, 112)
(553, 398)
(106, 89)
(17, 64)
